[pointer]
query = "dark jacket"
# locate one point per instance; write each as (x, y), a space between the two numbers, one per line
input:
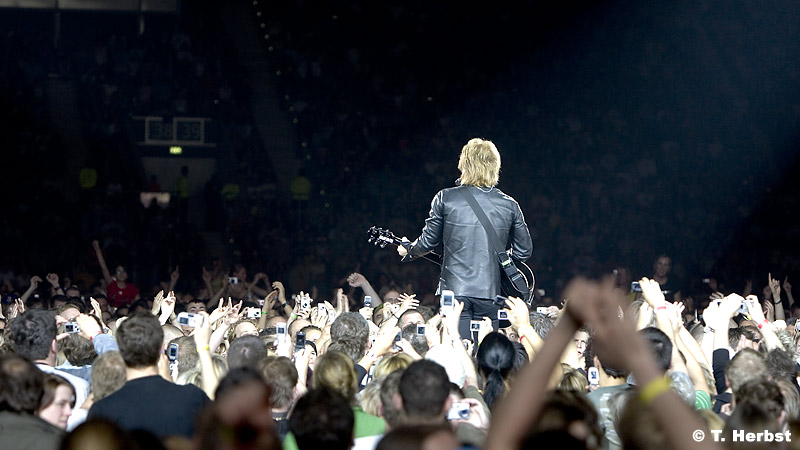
(470, 266)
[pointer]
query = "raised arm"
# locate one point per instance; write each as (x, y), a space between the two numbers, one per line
(102, 261)
(35, 280)
(173, 279)
(208, 374)
(355, 279)
(775, 288)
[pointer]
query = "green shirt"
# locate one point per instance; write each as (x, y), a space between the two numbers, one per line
(365, 425)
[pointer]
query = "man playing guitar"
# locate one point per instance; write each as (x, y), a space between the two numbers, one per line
(470, 266)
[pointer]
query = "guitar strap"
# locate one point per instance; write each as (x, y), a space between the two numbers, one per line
(506, 263)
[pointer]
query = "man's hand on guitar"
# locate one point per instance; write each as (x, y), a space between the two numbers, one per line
(401, 249)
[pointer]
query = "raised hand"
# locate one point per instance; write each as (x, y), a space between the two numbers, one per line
(202, 334)
(157, 300)
(95, 245)
(651, 291)
(167, 307)
(342, 302)
(775, 288)
(52, 278)
(432, 334)
(355, 279)
(206, 276)
(729, 306)
(281, 290)
(518, 313)
(407, 302)
(35, 280)
(754, 309)
(485, 329)
(175, 274)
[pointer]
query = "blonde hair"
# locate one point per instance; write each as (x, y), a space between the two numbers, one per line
(391, 363)
(479, 163)
(572, 380)
(336, 371)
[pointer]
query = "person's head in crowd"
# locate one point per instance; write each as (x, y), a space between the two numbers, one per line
(101, 300)
(188, 357)
(195, 306)
(321, 419)
(419, 437)
(241, 416)
(370, 397)
(452, 365)
(312, 333)
(765, 393)
(99, 434)
(410, 317)
(57, 401)
(108, 374)
(273, 322)
(295, 326)
(660, 345)
(581, 340)
(510, 333)
(72, 291)
(78, 350)
(418, 341)
(781, 365)
(615, 376)
(170, 332)
(120, 273)
(572, 379)
(746, 365)
(139, 306)
(390, 411)
(391, 296)
(354, 348)
(479, 163)
(337, 371)
(246, 351)
(571, 411)
(37, 302)
(495, 360)
(140, 341)
(743, 337)
(390, 363)
(638, 428)
(634, 309)
(33, 336)
(281, 376)
(350, 325)
(244, 327)
(22, 385)
(377, 315)
(58, 301)
(423, 393)
(662, 266)
(791, 400)
(750, 417)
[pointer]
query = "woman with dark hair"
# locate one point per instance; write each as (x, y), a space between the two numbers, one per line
(57, 402)
(496, 356)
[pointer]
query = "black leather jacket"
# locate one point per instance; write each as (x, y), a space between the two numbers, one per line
(470, 266)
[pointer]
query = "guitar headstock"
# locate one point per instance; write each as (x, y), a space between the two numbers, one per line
(381, 237)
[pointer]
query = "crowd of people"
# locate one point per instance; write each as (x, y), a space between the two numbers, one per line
(243, 363)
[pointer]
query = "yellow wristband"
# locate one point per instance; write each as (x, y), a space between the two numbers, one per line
(653, 389)
(200, 349)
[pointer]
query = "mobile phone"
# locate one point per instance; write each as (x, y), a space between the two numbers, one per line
(189, 320)
(397, 339)
(72, 327)
(458, 411)
(305, 303)
(797, 325)
(233, 280)
(474, 325)
(172, 352)
(261, 302)
(743, 308)
(635, 287)
(541, 310)
(367, 301)
(502, 318)
(420, 330)
(500, 301)
(299, 341)
(594, 376)
(253, 313)
(280, 329)
(448, 297)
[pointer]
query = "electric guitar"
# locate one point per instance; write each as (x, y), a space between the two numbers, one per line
(382, 237)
